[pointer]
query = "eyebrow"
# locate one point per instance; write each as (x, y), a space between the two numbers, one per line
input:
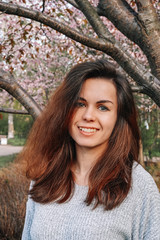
(100, 101)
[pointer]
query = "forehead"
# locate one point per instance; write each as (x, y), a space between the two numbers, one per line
(99, 89)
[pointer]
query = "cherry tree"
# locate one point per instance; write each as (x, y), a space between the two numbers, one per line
(35, 54)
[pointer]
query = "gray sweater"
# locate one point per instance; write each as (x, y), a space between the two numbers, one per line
(137, 218)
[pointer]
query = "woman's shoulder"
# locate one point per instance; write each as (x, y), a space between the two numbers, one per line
(145, 197)
(142, 180)
(30, 202)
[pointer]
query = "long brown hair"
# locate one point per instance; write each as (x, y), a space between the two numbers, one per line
(50, 150)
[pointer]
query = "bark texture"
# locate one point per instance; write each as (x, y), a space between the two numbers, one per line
(141, 26)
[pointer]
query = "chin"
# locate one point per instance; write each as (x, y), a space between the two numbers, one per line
(87, 145)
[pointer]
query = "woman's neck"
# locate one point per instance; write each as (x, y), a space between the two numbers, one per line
(85, 160)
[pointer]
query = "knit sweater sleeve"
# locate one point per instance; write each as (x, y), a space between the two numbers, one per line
(28, 218)
(147, 210)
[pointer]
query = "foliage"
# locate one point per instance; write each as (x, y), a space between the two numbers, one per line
(4, 124)
(38, 55)
(13, 195)
(149, 138)
(5, 160)
(150, 132)
(16, 141)
(154, 169)
(22, 126)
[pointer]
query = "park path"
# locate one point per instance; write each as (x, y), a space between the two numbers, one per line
(8, 149)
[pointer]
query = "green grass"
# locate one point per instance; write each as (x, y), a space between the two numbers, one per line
(5, 160)
(16, 141)
(153, 154)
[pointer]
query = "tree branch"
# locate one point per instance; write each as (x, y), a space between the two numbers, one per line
(137, 89)
(54, 24)
(135, 70)
(142, 77)
(94, 19)
(150, 26)
(43, 6)
(122, 16)
(8, 83)
(145, 9)
(13, 111)
(143, 27)
(73, 3)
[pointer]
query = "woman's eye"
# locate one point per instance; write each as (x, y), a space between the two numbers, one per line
(80, 104)
(103, 108)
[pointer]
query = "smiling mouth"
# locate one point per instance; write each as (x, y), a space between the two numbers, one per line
(88, 130)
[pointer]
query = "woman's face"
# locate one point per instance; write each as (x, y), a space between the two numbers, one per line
(95, 115)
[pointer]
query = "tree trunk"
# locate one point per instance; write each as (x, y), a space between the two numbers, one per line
(10, 126)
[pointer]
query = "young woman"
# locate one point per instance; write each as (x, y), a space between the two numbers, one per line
(82, 157)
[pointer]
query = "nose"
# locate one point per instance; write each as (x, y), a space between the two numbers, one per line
(89, 114)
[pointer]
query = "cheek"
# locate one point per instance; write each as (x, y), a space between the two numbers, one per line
(114, 120)
(111, 122)
(76, 116)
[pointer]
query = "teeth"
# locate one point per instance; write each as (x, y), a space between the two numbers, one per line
(89, 130)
